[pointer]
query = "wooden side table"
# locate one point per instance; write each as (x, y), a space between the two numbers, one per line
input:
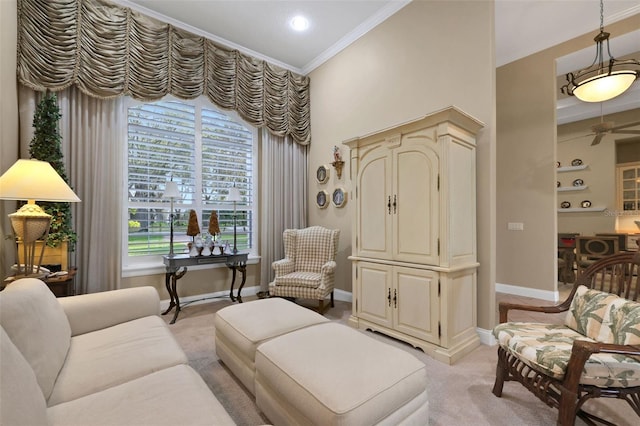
(60, 286)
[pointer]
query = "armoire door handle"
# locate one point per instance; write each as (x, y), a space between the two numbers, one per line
(389, 297)
(389, 207)
(394, 204)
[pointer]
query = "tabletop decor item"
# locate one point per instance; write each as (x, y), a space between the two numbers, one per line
(576, 162)
(578, 182)
(585, 204)
(565, 204)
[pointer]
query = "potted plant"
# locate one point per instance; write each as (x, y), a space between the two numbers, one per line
(46, 146)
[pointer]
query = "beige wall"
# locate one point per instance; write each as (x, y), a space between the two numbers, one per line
(526, 155)
(429, 55)
(599, 177)
(8, 119)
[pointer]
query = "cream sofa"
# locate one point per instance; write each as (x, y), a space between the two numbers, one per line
(97, 359)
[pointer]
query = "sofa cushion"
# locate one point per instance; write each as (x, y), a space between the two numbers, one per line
(547, 348)
(173, 396)
(114, 355)
(21, 399)
(36, 323)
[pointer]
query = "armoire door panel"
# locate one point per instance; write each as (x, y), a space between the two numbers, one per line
(416, 222)
(417, 306)
(374, 300)
(374, 217)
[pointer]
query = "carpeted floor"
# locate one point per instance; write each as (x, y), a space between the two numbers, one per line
(458, 395)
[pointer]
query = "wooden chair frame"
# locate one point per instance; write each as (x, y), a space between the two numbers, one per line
(617, 274)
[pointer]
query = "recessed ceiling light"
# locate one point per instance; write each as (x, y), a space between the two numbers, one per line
(299, 23)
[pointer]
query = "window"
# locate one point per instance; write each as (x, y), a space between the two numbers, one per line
(206, 152)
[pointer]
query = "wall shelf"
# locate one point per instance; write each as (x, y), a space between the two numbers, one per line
(571, 168)
(572, 188)
(582, 210)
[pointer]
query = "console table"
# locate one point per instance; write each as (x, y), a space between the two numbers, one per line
(176, 268)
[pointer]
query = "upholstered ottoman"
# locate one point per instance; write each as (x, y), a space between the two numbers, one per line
(331, 374)
(241, 328)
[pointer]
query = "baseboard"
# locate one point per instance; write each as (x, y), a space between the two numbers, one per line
(342, 295)
(486, 337)
(552, 296)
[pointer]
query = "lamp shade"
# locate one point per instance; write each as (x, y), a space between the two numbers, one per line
(171, 190)
(604, 86)
(234, 194)
(35, 180)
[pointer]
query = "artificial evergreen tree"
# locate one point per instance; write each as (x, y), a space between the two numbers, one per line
(46, 145)
(193, 229)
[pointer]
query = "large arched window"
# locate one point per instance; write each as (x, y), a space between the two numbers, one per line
(206, 152)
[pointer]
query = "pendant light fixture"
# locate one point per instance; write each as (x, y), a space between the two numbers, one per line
(602, 80)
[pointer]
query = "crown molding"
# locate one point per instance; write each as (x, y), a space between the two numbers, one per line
(375, 20)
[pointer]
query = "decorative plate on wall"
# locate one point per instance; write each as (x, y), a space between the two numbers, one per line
(322, 174)
(339, 197)
(322, 199)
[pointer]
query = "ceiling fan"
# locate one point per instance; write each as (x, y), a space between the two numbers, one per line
(601, 129)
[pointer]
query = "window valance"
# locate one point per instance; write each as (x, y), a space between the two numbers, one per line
(108, 50)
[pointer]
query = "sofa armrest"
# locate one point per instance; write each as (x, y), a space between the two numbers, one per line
(95, 311)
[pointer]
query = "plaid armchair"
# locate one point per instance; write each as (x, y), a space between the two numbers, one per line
(308, 269)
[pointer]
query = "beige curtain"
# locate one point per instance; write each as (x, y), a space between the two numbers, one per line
(108, 51)
(283, 188)
(92, 131)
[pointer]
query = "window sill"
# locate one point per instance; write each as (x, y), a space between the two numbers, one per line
(155, 268)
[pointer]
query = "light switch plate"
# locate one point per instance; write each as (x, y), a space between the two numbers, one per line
(515, 226)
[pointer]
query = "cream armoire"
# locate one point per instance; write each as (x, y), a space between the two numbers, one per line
(414, 234)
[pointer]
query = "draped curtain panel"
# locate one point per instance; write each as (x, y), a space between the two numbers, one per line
(92, 135)
(283, 185)
(108, 51)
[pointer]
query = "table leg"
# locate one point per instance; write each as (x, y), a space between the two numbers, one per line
(174, 284)
(171, 282)
(167, 282)
(233, 281)
(243, 269)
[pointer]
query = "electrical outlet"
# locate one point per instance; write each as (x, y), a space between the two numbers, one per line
(515, 226)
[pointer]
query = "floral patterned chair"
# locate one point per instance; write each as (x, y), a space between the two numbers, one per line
(595, 353)
(308, 269)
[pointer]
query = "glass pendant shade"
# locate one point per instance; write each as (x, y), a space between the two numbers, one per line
(604, 86)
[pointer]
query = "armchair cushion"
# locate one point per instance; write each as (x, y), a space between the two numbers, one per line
(547, 348)
(300, 279)
(313, 247)
(604, 317)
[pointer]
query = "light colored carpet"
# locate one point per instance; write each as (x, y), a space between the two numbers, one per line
(458, 395)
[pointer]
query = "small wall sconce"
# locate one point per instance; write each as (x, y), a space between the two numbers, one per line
(337, 161)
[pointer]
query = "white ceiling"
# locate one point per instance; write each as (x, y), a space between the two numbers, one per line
(260, 27)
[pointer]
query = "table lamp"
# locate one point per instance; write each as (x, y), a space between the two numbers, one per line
(234, 195)
(171, 192)
(33, 180)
